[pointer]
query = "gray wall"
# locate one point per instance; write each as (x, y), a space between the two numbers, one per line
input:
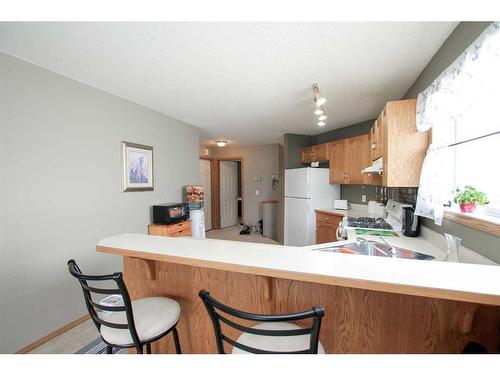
(292, 144)
(464, 34)
(60, 190)
(346, 132)
(262, 160)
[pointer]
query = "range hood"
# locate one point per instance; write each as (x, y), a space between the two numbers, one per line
(376, 167)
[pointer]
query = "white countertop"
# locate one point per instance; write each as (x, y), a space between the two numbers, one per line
(457, 281)
(355, 210)
(429, 242)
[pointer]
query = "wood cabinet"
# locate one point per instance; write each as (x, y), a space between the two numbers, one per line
(314, 153)
(397, 140)
(182, 229)
(377, 137)
(347, 158)
(326, 226)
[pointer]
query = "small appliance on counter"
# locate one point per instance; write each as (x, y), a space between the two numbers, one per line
(410, 223)
(341, 204)
(170, 213)
(395, 213)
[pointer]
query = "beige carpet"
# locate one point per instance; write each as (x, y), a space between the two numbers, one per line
(233, 234)
(70, 341)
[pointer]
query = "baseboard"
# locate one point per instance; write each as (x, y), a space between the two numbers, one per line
(52, 335)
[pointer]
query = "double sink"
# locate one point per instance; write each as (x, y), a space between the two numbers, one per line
(374, 248)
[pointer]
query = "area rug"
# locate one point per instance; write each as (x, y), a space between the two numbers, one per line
(99, 347)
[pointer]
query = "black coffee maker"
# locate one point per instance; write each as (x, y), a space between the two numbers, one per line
(411, 222)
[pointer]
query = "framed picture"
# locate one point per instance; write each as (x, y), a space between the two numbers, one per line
(137, 166)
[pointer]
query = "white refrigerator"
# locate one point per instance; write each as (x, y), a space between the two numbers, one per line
(306, 189)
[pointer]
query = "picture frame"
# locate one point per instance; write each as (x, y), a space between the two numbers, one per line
(137, 167)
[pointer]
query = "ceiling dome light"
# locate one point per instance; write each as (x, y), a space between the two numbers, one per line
(221, 143)
(321, 123)
(319, 111)
(322, 118)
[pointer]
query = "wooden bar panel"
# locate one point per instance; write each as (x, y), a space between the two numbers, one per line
(356, 320)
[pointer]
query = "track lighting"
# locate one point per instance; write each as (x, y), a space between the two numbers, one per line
(319, 100)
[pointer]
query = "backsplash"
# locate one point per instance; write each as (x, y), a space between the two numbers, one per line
(353, 194)
(404, 195)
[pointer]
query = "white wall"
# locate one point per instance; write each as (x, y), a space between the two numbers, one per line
(262, 160)
(60, 190)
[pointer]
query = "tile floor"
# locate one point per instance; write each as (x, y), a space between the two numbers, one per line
(233, 234)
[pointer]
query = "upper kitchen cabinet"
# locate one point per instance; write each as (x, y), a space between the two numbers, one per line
(395, 139)
(347, 158)
(315, 153)
(376, 137)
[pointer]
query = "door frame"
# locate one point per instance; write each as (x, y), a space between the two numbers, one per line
(215, 184)
(209, 158)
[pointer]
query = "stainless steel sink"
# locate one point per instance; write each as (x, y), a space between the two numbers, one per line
(373, 248)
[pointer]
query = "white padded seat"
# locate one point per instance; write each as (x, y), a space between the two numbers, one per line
(275, 343)
(152, 317)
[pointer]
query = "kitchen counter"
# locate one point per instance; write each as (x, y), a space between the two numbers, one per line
(460, 281)
(355, 210)
(370, 303)
(429, 242)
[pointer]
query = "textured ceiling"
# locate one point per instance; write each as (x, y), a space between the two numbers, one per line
(248, 83)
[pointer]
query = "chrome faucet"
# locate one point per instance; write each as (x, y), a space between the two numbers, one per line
(391, 248)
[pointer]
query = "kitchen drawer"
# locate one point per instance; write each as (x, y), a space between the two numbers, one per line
(172, 230)
(328, 218)
(182, 233)
(178, 227)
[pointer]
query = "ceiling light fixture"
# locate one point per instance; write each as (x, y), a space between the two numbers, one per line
(319, 111)
(318, 99)
(221, 143)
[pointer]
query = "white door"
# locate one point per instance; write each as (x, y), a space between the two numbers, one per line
(228, 193)
(207, 191)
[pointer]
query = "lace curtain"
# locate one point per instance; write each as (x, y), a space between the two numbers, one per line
(468, 91)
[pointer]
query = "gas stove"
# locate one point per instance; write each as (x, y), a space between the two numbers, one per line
(367, 222)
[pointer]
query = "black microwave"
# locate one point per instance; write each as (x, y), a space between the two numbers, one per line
(170, 213)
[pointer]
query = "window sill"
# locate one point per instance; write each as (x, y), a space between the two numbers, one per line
(479, 221)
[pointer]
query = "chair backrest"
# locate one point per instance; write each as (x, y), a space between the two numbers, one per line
(213, 307)
(92, 305)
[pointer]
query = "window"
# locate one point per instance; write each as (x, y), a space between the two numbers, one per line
(462, 106)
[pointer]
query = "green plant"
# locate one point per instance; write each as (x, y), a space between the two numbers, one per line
(470, 195)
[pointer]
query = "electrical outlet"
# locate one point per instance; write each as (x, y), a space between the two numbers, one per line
(363, 198)
(257, 192)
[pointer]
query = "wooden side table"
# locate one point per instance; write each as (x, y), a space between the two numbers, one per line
(181, 229)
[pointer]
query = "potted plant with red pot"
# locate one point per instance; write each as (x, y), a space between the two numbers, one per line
(469, 198)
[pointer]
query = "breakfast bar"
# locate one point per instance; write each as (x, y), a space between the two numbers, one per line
(372, 304)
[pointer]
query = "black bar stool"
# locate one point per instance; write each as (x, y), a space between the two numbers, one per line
(129, 324)
(273, 335)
